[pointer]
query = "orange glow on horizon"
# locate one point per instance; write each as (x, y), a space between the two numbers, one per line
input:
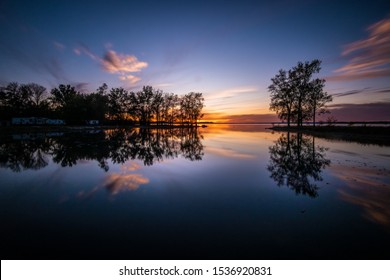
(218, 117)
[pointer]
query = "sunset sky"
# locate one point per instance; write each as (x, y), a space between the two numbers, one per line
(229, 50)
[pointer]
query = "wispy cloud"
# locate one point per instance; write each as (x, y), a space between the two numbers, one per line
(163, 85)
(130, 78)
(121, 63)
(83, 49)
(368, 58)
(231, 92)
(384, 90)
(38, 60)
(112, 62)
(350, 92)
(59, 46)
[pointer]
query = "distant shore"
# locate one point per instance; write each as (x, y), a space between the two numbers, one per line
(362, 134)
(76, 128)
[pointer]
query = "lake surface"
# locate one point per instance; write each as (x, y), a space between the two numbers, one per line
(221, 192)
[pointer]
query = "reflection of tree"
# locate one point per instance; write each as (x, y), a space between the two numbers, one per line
(295, 161)
(117, 145)
(191, 146)
(18, 155)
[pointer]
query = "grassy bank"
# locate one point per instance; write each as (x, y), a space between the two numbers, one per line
(379, 135)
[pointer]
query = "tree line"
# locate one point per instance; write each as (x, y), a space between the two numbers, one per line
(115, 105)
(297, 97)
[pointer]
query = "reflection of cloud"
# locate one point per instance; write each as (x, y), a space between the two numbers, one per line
(226, 152)
(130, 166)
(366, 188)
(124, 181)
(370, 57)
(116, 183)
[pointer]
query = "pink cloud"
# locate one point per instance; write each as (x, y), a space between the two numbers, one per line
(368, 58)
(130, 78)
(121, 63)
(116, 183)
(114, 63)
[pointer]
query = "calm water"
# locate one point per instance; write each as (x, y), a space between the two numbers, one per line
(238, 192)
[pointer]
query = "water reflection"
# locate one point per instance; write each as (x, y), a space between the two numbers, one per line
(33, 151)
(296, 162)
(368, 187)
(116, 182)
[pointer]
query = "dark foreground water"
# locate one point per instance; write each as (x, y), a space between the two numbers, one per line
(238, 192)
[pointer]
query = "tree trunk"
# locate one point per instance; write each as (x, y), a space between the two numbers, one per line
(314, 115)
(288, 118)
(299, 112)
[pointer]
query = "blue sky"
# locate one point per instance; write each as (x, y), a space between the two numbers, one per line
(229, 50)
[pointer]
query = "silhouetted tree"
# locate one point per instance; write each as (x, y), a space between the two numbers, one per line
(39, 105)
(317, 99)
(23, 100)
(118, 103)
(142, 105)
(170, 110)
(157, 105)
(295, 96)
(6, 110)
(97, 104)
(19, 99)
(282, 97)
(191, 106)
(65, 101)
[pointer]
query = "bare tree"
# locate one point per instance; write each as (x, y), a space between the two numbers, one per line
(295, 96)
(282, 97)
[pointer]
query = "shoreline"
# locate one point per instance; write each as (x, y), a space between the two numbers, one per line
(76, 128)
(379, 135)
